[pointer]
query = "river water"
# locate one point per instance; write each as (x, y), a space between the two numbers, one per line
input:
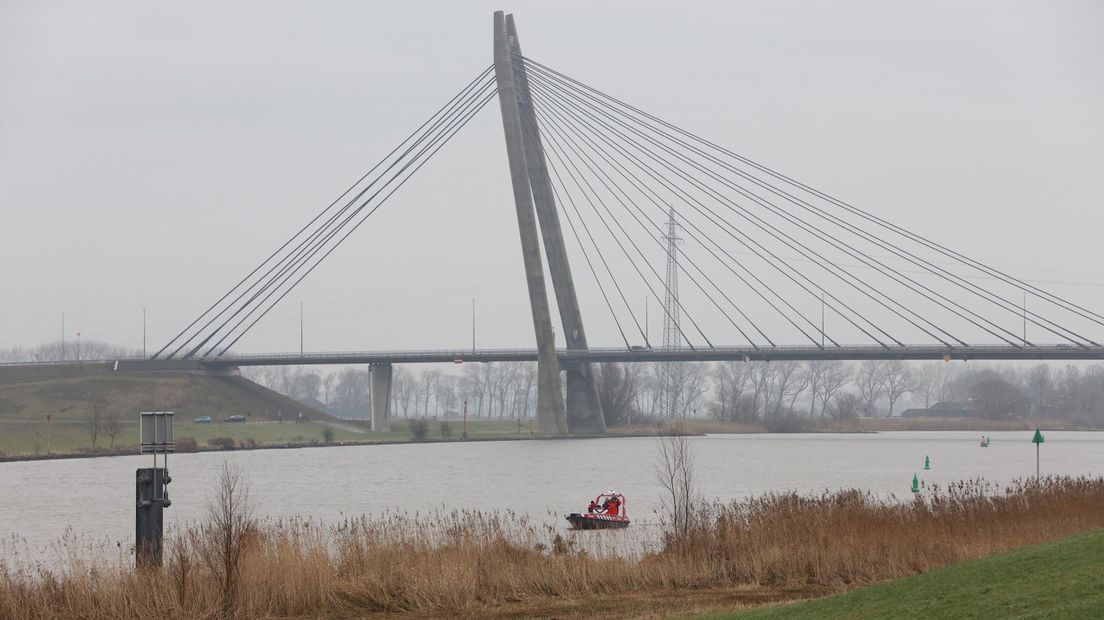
(92, 500)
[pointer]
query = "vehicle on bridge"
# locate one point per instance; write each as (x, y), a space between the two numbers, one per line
(235, 419)
(203, 419)
(605, 512)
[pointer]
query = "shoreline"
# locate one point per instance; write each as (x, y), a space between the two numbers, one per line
(695, 428)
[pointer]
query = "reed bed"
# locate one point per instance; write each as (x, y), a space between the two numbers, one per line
(472, 563)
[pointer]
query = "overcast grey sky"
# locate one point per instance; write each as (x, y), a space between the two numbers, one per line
(153, 153)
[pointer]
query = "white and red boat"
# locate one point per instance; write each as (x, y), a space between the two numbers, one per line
(606, 511)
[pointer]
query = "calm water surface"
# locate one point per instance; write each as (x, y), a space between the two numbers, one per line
(93, 499)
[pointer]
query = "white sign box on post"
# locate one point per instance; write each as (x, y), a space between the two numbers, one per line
(157, 432)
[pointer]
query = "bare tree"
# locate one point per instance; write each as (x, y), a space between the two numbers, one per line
(835, 375)
(995, 397)
(897, 380)
(95, 422)
(789, 384)
(1039, 386)
(871, 382)
(402, 390)
(814, 375)
(226, 533)
(694, 379)
(113, 425)
(762, 386)
(327, 385)
(845, 405)
(616, 392)
(927, 383)
(427, 388)
(730, 380)
(675, 473)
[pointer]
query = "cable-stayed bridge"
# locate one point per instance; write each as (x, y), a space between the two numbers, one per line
(772, 255)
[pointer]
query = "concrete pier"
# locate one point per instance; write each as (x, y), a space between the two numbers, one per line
(380, 390)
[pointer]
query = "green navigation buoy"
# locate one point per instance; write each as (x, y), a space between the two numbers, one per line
(1038, 439)
(915, 484)
(927, 463)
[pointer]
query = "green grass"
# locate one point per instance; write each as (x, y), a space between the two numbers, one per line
(19, 438)
(1060, 579)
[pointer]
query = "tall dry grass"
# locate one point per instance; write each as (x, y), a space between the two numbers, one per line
(471, 562)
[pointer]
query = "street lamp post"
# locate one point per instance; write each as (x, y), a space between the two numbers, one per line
(143, 332)
(78, 346)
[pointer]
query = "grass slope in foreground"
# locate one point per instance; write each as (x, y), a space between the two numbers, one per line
(1060, 579)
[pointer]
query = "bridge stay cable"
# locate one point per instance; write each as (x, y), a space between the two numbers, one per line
(586, 256)
(303, 257)
(628, 111)
(890, 272)
(313, 220)
(621, 196)
(416, 167)
(855, 282)
(309, 246)
(652, 196)
(579, 179)
(901, 253)
(624, 250)
(438, 129)
(748, 242)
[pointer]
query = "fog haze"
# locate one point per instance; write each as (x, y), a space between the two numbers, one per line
(151, 154)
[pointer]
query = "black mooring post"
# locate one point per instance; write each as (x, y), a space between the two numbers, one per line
(149, 523)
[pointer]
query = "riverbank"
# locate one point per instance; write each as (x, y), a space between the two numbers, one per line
(772, 547)
(23, 440)
(1060, 579)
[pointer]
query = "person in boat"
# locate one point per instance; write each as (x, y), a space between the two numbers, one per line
(614, 506)
(605, 506)
(593, 506)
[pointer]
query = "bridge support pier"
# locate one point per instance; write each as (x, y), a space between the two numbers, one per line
(379, 390)
(584, 410)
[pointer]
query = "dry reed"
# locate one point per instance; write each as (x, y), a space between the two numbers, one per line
(469, 563)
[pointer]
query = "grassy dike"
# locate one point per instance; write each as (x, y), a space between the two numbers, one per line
(1060, 579)
(45, 412)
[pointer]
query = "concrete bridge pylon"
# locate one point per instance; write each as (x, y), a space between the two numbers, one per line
(584, 410)
(551, 414)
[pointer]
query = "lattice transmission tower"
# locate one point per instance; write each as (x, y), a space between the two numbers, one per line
(670, 383)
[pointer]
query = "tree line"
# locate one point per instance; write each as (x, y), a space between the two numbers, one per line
(756, 392)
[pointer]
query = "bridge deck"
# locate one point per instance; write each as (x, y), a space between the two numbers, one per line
(684, 354)
(994, 352)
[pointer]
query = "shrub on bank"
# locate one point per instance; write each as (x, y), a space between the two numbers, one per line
(419, 429)
(224, 443)
(186, 444)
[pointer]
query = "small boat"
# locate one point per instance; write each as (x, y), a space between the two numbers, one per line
(606, 511)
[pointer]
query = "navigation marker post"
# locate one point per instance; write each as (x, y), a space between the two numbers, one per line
(156, 428)
(1038, 439)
